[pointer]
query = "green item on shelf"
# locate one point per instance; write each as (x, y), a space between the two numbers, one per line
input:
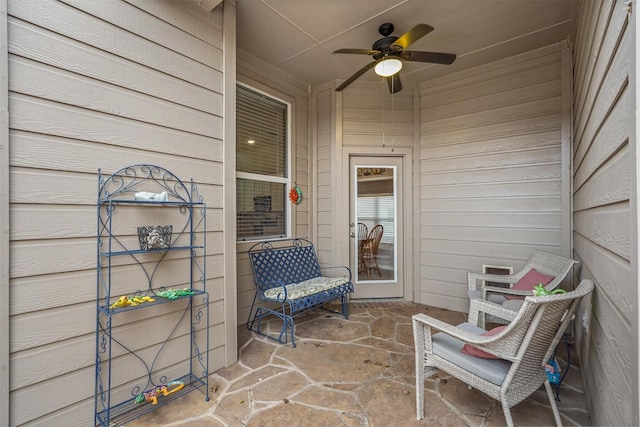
(174, 294)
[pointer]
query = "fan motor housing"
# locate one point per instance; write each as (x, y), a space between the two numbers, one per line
(384, 43)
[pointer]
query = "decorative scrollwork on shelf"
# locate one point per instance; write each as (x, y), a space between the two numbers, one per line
(149, 192)
(145, 178)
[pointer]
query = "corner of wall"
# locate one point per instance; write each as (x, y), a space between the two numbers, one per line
(230, 262)
(4, 220)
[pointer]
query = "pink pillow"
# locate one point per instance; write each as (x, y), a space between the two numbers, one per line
(473, 351)
(529, 280)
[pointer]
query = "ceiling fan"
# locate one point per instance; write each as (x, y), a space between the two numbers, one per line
(389, 53)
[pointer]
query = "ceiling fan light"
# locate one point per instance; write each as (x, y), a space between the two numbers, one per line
(388, 67)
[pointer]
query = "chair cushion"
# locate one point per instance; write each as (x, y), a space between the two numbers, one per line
(448, 348)
(498, 299)
(529, 281)
(306, 288)
(514, 304)
(476, 352)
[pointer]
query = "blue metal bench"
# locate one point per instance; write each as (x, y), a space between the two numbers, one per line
(287, 273)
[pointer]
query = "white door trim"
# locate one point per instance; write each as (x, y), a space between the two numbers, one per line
(407, 210)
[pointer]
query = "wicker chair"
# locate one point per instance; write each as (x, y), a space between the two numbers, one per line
(543, 262)
(523, 348)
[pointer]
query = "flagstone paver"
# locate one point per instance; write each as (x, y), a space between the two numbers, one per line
(352, 373)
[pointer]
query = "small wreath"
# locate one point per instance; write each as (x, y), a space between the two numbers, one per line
(295, 195)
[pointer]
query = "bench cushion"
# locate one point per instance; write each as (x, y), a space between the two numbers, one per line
(306, 288)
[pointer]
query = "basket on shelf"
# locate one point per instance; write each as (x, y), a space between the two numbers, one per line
(154, 236)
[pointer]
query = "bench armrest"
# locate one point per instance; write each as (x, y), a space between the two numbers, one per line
(336, 271)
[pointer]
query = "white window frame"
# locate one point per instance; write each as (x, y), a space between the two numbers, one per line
(287, 181)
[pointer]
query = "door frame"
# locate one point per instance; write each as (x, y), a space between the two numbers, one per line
(378, 287)
(407, 209)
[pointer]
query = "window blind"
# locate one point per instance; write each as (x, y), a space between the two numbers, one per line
(261, 134)
(261, 165)
(373, 210)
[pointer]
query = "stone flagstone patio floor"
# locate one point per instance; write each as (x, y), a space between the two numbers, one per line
(356, 372)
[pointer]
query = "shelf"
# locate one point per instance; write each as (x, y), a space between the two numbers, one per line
(158, 300)
(148, 251)
(130, 410)
(137, 278)
(148, 203)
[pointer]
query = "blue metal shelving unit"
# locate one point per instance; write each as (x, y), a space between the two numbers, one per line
(160, 342)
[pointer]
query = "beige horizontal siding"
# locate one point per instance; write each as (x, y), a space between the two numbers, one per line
(604, 201)
(129, 82)
(490, 171)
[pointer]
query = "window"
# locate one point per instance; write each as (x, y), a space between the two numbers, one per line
(262, 165)
(373, 210)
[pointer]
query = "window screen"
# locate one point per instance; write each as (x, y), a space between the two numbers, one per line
(262, 165)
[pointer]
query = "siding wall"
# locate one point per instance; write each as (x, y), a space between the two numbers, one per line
(371, 117)
(326, 197)
(603, 168)
(490, 171)
(97, 85)
(255, 73)
(363, 119)
(377, 123)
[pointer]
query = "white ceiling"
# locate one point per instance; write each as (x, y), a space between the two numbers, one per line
(299, 36)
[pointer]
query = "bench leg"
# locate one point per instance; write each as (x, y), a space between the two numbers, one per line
(295, 308)
(345, 306)
(253, 304)
(288, 325)
(255, 324)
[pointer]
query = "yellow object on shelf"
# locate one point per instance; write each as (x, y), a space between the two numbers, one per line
(125, 301)
(163, 390)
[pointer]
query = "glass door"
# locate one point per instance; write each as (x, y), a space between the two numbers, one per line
(376, 226)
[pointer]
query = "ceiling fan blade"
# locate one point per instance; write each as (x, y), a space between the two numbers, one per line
(434, 57)
(357, 74)
(394, 83)
(357, 51)
(414, 34)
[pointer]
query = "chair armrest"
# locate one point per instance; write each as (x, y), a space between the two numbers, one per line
(473, 277)
(454, 331)
(426, 323)
(507, 291)
(477, 305)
